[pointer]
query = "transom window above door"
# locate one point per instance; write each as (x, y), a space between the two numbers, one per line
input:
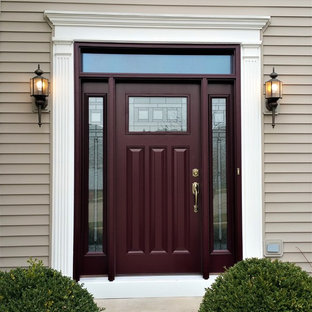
(199, 64)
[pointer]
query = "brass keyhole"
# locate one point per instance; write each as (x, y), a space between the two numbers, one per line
(195, 172)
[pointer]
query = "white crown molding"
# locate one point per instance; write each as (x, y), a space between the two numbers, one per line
(160, 28)
(91, 19)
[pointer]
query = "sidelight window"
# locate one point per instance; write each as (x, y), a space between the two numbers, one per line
(219, 152)
(95, 200)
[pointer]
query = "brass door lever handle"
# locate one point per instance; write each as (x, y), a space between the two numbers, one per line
(195, 191)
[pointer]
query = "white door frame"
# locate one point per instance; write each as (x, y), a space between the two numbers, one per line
(69, 27)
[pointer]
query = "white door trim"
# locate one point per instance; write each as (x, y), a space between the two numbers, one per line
(152, 28)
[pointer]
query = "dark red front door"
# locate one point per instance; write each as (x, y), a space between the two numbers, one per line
(157, 146)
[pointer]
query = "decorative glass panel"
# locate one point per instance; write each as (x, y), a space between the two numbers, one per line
(219, 173)
(95, 204)
(157, 114)
(156, 63)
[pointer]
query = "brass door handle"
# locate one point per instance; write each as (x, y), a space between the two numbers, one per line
(195, 191)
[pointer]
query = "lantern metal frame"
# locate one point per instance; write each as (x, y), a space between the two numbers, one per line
(39, 93)
(271, 98)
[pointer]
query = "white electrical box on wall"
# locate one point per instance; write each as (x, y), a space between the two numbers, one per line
(273, 248)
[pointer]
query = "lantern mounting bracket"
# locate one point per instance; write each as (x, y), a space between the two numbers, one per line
(271, 105)
(45, 109)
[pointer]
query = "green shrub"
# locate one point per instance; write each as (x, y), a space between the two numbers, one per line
(41, 289)
(260, 285)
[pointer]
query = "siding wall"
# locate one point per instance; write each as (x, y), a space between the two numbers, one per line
(25, 148)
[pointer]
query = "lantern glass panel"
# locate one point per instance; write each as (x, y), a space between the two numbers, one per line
(275, 89)
(280, 89)
(39, 86)
(268, 89)
(45, 86)
(32, 86)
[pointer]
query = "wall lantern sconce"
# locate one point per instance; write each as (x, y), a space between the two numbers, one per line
(39, 89)
(273, 92)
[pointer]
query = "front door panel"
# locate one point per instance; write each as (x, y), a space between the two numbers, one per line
(157, 145)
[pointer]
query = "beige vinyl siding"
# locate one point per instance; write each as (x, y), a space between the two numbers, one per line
(288, 147)
(25, 166)
(24, 147)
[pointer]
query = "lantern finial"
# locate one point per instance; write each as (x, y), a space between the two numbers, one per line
(273, 75)
(38, 71)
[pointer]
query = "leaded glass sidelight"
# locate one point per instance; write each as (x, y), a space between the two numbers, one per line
(220, 217)
(95, 201)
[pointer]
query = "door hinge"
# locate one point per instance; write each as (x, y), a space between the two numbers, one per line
(238, 171)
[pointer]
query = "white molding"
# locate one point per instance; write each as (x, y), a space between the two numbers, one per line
(251, 139)
(139, 27)
(63, 158)
(120, 27)
(140, 20)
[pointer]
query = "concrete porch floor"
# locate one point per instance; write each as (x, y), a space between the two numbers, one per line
(176, 304)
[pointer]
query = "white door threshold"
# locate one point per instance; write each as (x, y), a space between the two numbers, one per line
(148, 286)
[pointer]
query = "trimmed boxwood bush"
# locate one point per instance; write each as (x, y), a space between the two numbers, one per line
(41, 289)
(260, 285)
